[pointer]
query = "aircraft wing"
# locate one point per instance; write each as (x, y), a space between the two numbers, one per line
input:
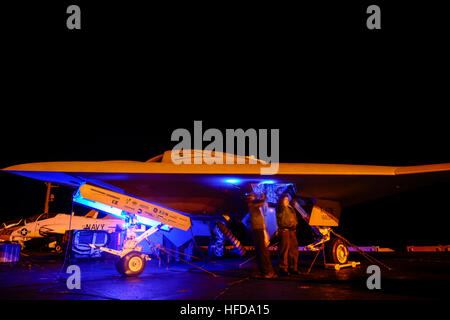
(216, 189)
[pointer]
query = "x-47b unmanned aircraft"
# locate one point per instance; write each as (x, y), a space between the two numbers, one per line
(165, 196)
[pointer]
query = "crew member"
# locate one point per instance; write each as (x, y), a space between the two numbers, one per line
(258, 227)
(287, 232)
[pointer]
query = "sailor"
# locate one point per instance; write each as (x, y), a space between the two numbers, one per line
(287, 232)
(258, 227)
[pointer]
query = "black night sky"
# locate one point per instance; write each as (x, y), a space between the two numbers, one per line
(338, 94)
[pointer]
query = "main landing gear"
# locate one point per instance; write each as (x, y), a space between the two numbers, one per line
(336, 251)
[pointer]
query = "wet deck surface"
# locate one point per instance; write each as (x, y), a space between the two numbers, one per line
(413, 276)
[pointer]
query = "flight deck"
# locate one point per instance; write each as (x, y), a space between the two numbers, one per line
(413, 276)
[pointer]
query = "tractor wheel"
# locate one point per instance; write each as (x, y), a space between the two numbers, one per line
(132, 264)
(336, 251)
(119, 267)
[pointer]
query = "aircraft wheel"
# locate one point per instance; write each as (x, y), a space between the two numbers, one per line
(59, 249)
(216, 249)
(132, 264)
(336, 251)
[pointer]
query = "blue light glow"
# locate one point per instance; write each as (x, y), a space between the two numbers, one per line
(98, 206)
(268, 182)
(115, 211)
(151, 223)
(232, 181)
